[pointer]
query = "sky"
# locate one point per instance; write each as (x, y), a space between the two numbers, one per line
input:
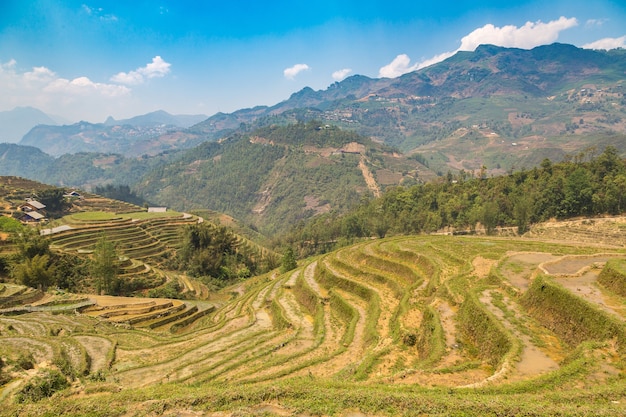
(90, 59)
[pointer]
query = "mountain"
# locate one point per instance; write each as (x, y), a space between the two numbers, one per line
(516, 104)
(158, 118)
(148, 139)
(493, 111)
(14, 124)
(82, 170)
(508, 106)
(22, 161)
(150, 133)
(276, 176)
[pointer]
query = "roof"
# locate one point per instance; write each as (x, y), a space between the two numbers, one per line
(157, 209)
(35, 215)
(36, 204)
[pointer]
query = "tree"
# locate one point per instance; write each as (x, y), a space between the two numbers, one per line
(522, 211)
(289, 260)
(104, 266)
(490, 216)
(54, 200)
(35, 272)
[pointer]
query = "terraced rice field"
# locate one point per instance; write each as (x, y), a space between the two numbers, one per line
(426, 325)
(143, 241)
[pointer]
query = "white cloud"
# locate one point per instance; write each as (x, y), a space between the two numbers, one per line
(39, 75)
(341, 74)
(528, 36)
(83, 86)
(290, 73)
(158, 68)
(400, 65)
(607, 43)
(43, 88)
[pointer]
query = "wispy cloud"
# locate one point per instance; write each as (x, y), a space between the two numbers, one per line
(341, 74)
(156, 69)
(607, 43)
(98, 13)
(595, 22)
(291, 72)
(528, 36)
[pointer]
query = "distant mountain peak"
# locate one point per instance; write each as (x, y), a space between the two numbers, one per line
(14, 124)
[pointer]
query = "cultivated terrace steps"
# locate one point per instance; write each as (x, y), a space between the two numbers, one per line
(453, 312)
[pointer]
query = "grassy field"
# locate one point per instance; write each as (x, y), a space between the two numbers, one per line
(414, 325)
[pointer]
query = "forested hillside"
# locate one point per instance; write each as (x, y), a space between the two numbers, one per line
(585, 185)
(278, 175)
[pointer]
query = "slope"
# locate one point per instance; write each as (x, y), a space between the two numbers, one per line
(278, 175)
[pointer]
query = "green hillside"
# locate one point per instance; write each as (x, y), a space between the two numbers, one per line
(276, 176)
(439, 325)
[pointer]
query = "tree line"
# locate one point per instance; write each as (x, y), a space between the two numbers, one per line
(582, 185)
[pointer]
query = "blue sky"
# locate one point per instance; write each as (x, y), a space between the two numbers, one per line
(86, 60)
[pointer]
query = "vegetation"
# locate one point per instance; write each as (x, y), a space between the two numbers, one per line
(389, 319)
(322, 339)
(105, 266)
(582, 186)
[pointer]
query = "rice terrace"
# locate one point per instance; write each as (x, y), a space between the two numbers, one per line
(408, 325)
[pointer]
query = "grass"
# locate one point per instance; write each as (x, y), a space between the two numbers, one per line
(329, 355)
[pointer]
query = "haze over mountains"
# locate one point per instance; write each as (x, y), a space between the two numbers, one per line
(14, 124)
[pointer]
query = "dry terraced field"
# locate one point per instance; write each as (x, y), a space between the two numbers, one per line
(417, 325)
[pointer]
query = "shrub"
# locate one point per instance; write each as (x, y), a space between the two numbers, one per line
(42, 386)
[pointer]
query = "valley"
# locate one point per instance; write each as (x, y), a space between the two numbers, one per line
(444, 324)
(448, 242)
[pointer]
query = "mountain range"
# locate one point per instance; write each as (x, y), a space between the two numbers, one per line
(31, 127)
(493, 111)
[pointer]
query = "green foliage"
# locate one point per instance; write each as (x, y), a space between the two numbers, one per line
(46, 383)
(25, 361)
(105, 266)
(56, 205)
(571, 188)
(215, 253)
(70, 271)
(119, 192)
(171, 289)
(289, 261)
(34, 272)
(30, 243)
(10, 225)
(613, 276)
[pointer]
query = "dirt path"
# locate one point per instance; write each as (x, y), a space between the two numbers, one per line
(309, 277)
(446, 316)
(369, 178)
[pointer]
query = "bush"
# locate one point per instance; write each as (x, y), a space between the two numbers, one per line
(25, 361)
(42, 386)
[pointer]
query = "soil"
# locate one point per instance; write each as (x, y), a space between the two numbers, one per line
(518, 267)
(97, 348)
